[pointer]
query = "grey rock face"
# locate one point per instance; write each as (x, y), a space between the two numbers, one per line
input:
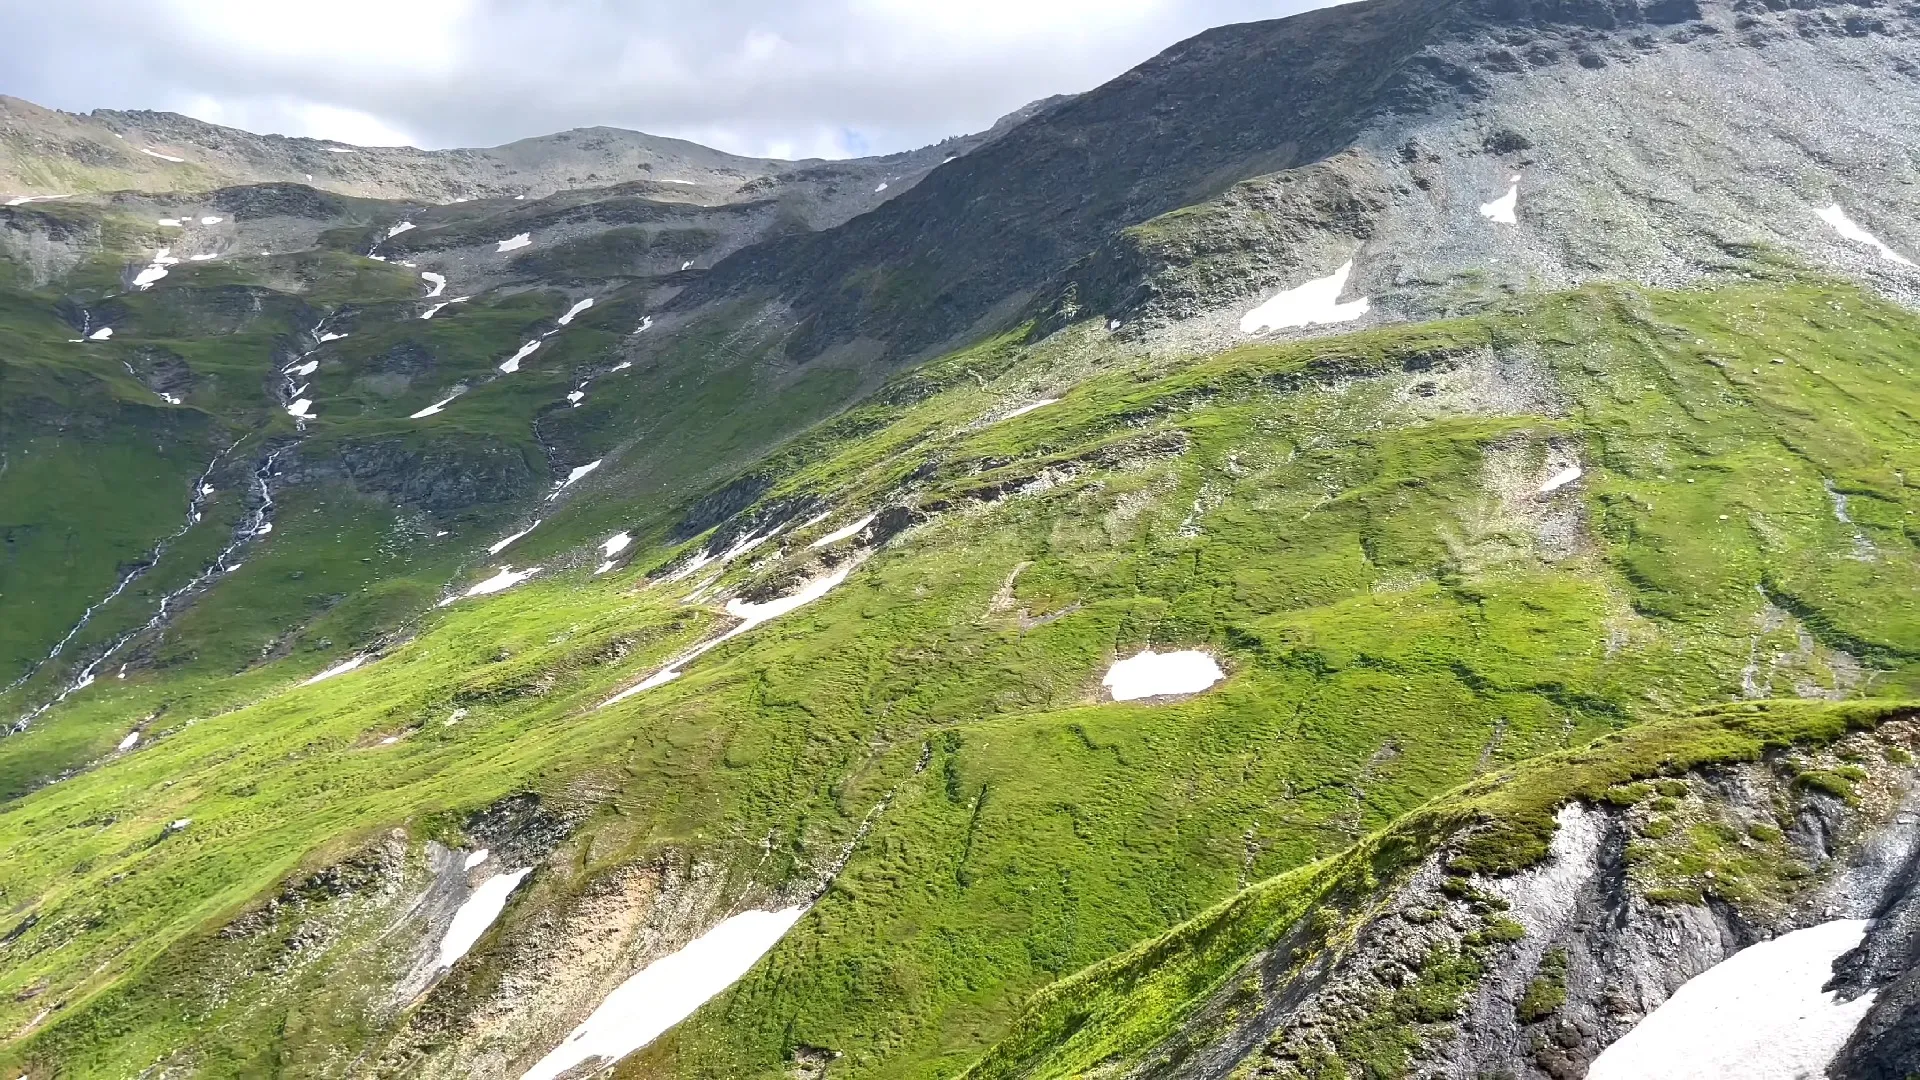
(1887, 1044)
(441, 476)
(1655, 143)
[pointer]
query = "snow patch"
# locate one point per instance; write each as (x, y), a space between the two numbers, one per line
(506, 578)
(161, 156)
(748, 543)
(750, 616)
(211, 220)
(171, 223)
(579, 472)
(501, 545)
(301, 371)
(324, 338)
(340, 150)
(1561, 479)
(838, 535)
(475, 858)
(1025, 409)
(881, 188)
(132, 740)
(1845, 226)
(398, 229)
(155, 270)
(1501, 210)
(483, 906)
(301, 409)
(1151, 674)
(438, 282)
(515, 243)
(435, 408)
(513, 362)
(667, 991)
(688, 265)
(1316, 302)
(575, 310)
(337, 669)
(434, 310)
(575, 397)
(1760, 1014)
(101, 334)
(612, 546)
(203, 256)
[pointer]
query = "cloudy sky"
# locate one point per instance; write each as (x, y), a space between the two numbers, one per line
(782, 78)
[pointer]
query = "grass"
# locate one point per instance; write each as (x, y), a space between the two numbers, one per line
(1120, 1009)
(1411, 658)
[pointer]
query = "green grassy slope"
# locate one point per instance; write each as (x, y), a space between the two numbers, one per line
(1351, 524)
(1115, 1013)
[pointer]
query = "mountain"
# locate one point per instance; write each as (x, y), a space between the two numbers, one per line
(50, 152)
(1376, 544)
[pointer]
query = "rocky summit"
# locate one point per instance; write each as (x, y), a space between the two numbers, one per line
(1376, 544)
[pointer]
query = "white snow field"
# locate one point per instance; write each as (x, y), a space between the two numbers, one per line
(1151, 674)
(1501, 210)
(1758, 1015)
(1844, 225)
(337, 669)
(667, 991)
(483, 906)
(1315, 303)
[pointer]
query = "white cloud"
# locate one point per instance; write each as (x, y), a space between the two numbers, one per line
(303, 118)
(420, 36)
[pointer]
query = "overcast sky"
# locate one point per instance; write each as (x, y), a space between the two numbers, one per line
(779, 78)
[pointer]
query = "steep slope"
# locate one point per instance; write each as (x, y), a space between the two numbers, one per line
(470, 616)
(1599, 109)
(1365, 531)
(1627, 869)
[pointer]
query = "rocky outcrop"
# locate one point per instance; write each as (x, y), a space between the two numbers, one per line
(1532, 976)
(441, 475)
(1271, 230)
(1595, 106)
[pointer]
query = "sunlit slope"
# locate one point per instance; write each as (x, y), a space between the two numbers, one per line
(1354, 527)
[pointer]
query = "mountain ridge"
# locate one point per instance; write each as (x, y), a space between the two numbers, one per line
(55, 153)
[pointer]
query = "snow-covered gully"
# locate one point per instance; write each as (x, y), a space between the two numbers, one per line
(750, 616)
(293, 386)
(667, 991)
(196, 505)
(258, 523)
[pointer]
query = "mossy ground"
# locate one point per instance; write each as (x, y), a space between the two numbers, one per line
(1397, 613)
